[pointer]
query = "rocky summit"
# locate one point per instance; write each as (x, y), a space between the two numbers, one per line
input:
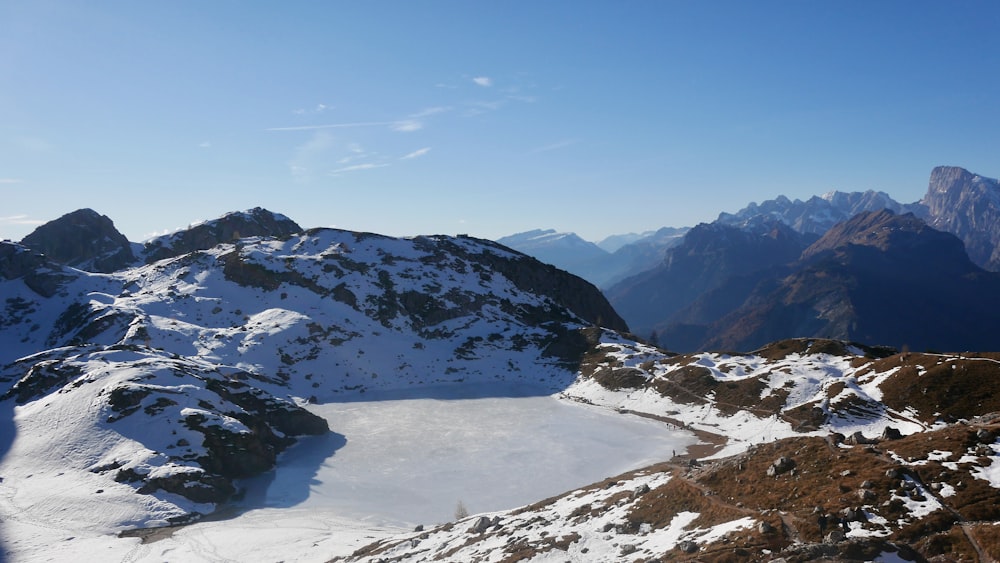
(967, 205)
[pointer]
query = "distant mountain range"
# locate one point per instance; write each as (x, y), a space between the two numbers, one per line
(603, 263)
(752, 277)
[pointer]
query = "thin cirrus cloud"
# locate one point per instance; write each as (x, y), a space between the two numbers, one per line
(484, 81)
(408, 125)
(357, 167)
(10, 180)
(20, 220)
(416, 154)
(337, 126)
(556, 146)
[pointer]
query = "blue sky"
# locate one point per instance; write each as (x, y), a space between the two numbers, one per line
(487, 118)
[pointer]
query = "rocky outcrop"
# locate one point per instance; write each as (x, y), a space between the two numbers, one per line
(83, 239)
(968, 206)
(256, 222)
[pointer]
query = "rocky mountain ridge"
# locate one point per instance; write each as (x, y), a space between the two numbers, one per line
(878, 278)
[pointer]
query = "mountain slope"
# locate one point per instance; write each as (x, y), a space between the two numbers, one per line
(708, 256)
(826, 455)
(880, 278)
(174, 379)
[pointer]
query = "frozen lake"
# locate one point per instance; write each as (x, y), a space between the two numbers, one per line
(404, 460)
(398, 460)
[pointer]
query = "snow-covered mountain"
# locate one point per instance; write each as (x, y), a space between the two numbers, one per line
(600, 266)
(146, 396)
(614, 242)
(147, 391)
(818, 214)
(566, 251)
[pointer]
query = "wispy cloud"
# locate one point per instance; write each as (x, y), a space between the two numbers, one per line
(205, 144)
(416, 154)
(556, 146)
(480, 107)
(484, 81)
(20, 220)
(334, 126)
(319, 108)
(427, 112)
(10, 180)
(408, 126)
(357, 167)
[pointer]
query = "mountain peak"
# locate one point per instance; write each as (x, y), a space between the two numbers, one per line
(946, 178)
(887, 231)
(83, 239)
(968, 205)
(256, 222)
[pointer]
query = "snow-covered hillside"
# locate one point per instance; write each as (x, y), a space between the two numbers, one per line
(171, 380)
(160, 393)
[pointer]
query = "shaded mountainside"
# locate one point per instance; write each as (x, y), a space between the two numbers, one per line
(175, 378)
(829, 450)
(709, 256)
(83, 239)
(878, 277)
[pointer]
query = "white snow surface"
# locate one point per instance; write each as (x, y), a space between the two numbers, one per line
(396, 460)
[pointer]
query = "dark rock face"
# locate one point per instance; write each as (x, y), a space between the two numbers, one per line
(967, 205)
(257, 222)
(82, 239)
